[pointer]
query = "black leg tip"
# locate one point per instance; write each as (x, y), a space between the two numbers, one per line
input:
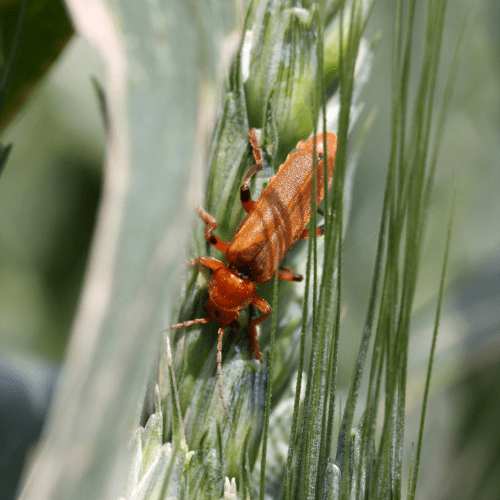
(244, 194)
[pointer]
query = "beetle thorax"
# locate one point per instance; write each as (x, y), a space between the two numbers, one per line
(230, 291)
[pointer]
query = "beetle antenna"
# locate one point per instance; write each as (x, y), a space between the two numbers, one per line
(219, 379)
(188, 323)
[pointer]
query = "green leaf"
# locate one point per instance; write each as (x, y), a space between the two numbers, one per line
(46, 29)
(152, 436)
(158, 58)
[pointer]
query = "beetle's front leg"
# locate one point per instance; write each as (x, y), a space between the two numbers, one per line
(209, 262)
(209, 236)
(263, 306)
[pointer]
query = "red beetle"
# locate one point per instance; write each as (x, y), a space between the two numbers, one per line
(272, 225)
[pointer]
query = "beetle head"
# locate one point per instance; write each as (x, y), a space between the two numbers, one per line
(221, 316)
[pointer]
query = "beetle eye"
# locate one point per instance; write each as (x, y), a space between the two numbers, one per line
(244, 272)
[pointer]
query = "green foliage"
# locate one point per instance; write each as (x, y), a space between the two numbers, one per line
(150, 52)
(46, 29)
(195, 351)
(299, 72)
(7, 69)
(364, 466)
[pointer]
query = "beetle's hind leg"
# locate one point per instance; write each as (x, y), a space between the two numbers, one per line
(245, 196)
(209, 236)
(287, 274)
(320, 230)
(306, 234)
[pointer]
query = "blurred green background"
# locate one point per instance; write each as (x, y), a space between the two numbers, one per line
(49, 194)
(461, 455)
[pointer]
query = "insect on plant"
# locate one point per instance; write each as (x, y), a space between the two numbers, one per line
(272, 225)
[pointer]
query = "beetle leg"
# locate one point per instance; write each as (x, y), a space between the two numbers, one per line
(263, 306)
(209, 236)
(209, 262)
(188, 323)
(320, 230)
(245, 196)
(286, 274)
